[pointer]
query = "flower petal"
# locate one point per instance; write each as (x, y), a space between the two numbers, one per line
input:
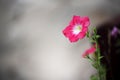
(89, 51)
(77, 28)
(75, 20)
(81, 35)
(85, 21)
(74, 38)
(67, 31)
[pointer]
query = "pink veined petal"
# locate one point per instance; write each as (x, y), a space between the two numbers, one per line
(67, 31)
(89, 51)
(85, 21)
(69, 34)
(75, 20)
(85, 29)
(81, 35)
(77, 28)
(84, 54)
(74, 38)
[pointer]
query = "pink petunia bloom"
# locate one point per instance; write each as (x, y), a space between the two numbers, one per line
(89, 51)
(77, 28)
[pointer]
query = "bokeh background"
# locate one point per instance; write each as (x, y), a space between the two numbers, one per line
(32, 46)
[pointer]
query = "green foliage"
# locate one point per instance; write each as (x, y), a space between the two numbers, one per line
(96, 62)
(94, 77)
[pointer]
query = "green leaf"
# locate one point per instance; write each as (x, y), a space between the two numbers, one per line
(92, 41)
(87, 34)
(97, 36)
(94, 65)
(100, 57)
(93, 37)
(93, 77)
(95, 30)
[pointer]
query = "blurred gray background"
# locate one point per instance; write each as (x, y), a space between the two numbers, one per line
(32, 46)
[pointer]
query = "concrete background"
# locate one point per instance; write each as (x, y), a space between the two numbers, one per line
(32, 46)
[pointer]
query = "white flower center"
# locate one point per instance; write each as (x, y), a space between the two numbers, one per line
(77, 29)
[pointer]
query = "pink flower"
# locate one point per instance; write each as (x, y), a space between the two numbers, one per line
(77, 28)
(89, 51)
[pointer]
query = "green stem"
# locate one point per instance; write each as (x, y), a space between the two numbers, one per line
(98, 55)
(97, 62)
